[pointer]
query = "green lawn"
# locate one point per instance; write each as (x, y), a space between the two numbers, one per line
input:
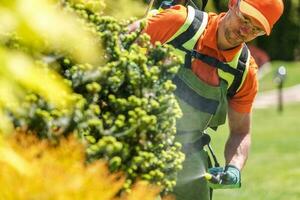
(292, 78)
(273, 168)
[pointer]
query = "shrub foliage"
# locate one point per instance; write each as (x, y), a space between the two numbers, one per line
(125, 110)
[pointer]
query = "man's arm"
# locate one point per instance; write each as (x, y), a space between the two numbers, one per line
(238, 144)
(236, 151)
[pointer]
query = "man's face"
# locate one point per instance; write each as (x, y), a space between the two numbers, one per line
(240, 28)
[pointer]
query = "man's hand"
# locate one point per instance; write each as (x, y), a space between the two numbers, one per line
(229, 178)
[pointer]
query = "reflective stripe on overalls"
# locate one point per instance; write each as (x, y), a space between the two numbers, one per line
(202, 105)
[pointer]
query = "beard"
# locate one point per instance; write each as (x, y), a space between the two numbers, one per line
(233, 37)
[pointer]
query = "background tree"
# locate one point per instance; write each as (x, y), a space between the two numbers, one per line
(284, 41)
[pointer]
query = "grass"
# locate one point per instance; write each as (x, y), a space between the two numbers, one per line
(272, 171)
(292, 78)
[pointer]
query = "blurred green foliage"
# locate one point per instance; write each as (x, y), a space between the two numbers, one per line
(122, 104)
(125, 9)
(124, 107)
(30, 31)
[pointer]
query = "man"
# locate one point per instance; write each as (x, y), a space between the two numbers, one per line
(219, 77)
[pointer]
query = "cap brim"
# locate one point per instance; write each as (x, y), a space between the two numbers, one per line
(248, 9)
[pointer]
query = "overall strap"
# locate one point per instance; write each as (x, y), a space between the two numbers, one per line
(181, 39)
(238, 72)
(187, 36)
(241, 67)
(204, 3)
(215, 63)
(187, 94)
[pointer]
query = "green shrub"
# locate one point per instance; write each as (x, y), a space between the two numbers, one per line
(125, 110)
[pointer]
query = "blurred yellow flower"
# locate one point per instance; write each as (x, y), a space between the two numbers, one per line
(56, 172)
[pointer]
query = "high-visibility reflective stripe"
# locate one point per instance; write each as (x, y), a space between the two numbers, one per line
(227, 76)
(191, 43)
(190, 32)
(178, 52)
(193, 32)
(188, 21)
(246, 70)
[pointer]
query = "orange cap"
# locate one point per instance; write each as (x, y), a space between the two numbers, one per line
(266, 12)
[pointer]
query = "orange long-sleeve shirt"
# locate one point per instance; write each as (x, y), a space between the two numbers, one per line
(165, 24)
